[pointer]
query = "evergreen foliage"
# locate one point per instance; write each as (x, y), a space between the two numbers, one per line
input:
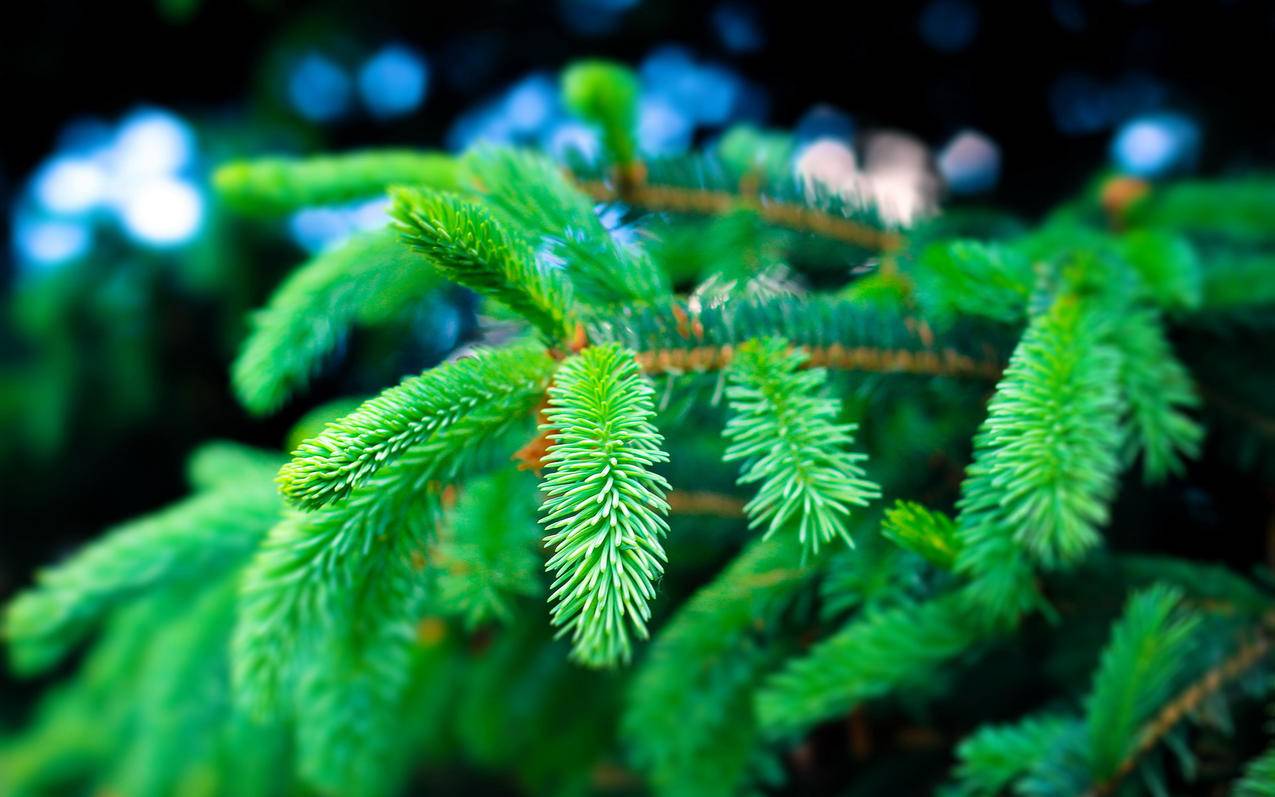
(1259, 778)
(604, 508)
(690, 720)
(488, 554)
(197, 539)
(687, 390)
(1046, 459)
(1160, 396)
(783, 431)
(363, 281)
(606, 95)
(928, 533)
(536, 195)
(275, 185)
(466, 243)
(996, 756)
(351, 449)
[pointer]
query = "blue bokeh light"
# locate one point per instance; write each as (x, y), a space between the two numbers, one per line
(85, 136)
(571, 139)
(824, 121)
(738, 27)
(679, 94)
(704, 93)
(594, 17)
(371, 214)
(949, 25)
(318, 229)
(1156, 144)
(47, 242)
(1081, 104)
(662, 127)
(393, 82)
(319, 89)
(134, 177)
(531, 103)
(485, 123)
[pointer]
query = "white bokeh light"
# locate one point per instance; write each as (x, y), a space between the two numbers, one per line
(970, 163)
(151, 143)
(162, 212)
(70, 185)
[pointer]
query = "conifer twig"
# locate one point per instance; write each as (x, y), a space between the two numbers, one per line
(678, 199)
(1249, 654)
(697, 502)
(947, 362)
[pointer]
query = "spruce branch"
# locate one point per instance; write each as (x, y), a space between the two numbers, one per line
(219, 463)
(1259, 777)
(1248, 655)
(1167, 265)
(874, 575)
(309, 567)
(467, 244)
(364, 654)
(883, 650)
(350, 450)
(684, 336)
(409, 517)
(1148, 649)
(688, 715)
(1046, 459)
(1239, 283)
(77, 729)
(823, 217)
(604, 510)
(713, 184)
(364, 281)
(605, 94)
(192, 541)
(279, 185)
(487, 555)
(926, 532)
(180, 698)
(1160, 394)
(1242, 208)
(995, 757)
(974, 278)
(785, 434)
(533, 192)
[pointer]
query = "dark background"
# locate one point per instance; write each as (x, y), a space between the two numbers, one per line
(1211, 60)
(1214, 59)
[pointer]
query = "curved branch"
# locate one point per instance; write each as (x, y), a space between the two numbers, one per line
(1249, 654)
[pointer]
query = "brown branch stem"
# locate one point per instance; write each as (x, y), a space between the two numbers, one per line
(945, 362)
(699, 201)
(691, 502)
